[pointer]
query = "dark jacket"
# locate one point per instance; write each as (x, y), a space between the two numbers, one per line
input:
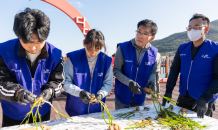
(175, 70)
(9, 83)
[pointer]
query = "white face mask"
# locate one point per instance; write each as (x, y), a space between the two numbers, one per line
(194, 35)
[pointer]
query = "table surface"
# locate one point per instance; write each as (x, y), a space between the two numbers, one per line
(94, 121)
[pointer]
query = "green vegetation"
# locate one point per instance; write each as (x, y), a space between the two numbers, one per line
(170, 44)
(126, 115)
(37, 104)
(167, 117)
(103, 107)
(110, 118)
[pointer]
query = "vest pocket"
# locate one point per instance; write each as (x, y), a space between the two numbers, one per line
(184, 60)
(205, 80)
(208, 64)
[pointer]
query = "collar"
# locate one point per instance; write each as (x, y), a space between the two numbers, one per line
(205, 40)
(91, 59)
(42, 55)
(140, 48)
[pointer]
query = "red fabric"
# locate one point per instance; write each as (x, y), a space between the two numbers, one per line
(112, 62)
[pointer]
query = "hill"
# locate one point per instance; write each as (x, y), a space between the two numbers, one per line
(170, 44)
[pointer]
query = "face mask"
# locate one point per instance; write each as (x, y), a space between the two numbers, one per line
(194, 35)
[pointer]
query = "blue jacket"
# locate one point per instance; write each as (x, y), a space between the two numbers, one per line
(197, 75)
(141, 75)
(19, 69)
(82, 79)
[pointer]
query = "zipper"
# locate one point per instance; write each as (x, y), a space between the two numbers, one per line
(32, 85)
(138, 57)
(21, 72)
(189, 74)
(136, 74)
(43, 70)
(137, 68)
(90, 92)
(137, 64)
(91, 81)
(135, 79)
(32, 63)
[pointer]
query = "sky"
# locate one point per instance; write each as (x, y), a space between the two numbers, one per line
(117, 19)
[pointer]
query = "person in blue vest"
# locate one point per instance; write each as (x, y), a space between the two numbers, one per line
(88, 71)
(29, 67)
(135, 66)
(197, 63)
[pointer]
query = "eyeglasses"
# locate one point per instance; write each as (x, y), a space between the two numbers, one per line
(143, 34)
(195, 28)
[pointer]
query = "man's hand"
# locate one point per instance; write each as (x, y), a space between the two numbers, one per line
(202, 106)
(85, 96)
(211, 108)
(169, 95)
(24, 96)
(46, 94)
(134, 87)
(151, 85)
(98, 97)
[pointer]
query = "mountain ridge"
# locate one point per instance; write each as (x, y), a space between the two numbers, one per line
(170, 44)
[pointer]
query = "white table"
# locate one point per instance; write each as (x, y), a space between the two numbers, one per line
(95, 122)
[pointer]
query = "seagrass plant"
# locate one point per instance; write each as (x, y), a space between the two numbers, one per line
(167, 118)
(37, 104)
(140, 124)
(126, 115)
(103, 107)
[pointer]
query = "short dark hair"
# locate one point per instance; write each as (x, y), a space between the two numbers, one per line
(31, 21)
(95, 38)
(113, 55)
(149, 23)
(203, 17)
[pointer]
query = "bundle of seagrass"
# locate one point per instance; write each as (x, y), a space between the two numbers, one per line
(167, 117)
(37, 103)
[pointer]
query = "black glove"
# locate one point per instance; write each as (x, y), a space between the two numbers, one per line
(211, 108)
(169, 95)
(98, 97)
(24, 96)
(46, 94)
(151, 85)
(134, 87)
(202, 106)
(85, 96)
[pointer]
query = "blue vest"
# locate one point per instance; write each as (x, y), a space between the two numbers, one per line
(82, 79)
(141, 76)
(9, 53)
(197, 75)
